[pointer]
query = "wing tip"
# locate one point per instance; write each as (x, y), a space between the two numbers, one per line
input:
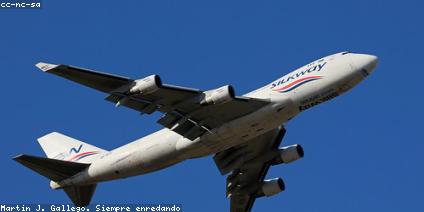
(18, 158)
(45, 67)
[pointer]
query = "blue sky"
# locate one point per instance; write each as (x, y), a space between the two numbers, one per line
(363, 149)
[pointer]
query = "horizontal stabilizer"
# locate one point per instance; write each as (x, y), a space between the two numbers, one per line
(80, 195)
(56, 170)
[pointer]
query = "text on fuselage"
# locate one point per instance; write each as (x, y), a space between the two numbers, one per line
(311, 69)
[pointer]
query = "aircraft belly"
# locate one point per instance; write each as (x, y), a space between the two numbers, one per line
(247, 127)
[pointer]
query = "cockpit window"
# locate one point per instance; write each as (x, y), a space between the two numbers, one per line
(343, 53)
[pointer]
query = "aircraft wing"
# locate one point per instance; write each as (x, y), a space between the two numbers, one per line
(185, 109)
(249, 165)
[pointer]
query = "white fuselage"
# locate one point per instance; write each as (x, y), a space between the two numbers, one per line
(299, 90)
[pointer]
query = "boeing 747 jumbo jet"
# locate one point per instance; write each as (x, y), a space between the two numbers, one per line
(242, 132)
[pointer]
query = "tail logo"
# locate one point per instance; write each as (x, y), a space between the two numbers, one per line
(80, 155)
(75, 150)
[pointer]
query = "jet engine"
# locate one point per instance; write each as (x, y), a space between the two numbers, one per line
(271, 187)
(146, 85)
(218, 96)
(288, 154)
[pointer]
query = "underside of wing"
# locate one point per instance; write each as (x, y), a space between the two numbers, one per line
(93, 79)
(187, 111)
(249, 165)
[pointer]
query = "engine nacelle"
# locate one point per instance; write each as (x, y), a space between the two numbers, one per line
(146, 85)
(289, 154)
(219, 95)
(271, 187)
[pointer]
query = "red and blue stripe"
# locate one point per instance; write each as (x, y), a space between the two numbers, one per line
(82, 155)
(296, 84)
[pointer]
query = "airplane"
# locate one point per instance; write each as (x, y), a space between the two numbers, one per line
(243, 133)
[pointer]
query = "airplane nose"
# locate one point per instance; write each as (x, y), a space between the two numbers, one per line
(365, 61)
(372, 63)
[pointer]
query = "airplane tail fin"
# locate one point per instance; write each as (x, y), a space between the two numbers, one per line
(62, 147)
(58, 170)
(66, 157)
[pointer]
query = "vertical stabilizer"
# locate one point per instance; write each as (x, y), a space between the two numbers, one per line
(62, 147)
